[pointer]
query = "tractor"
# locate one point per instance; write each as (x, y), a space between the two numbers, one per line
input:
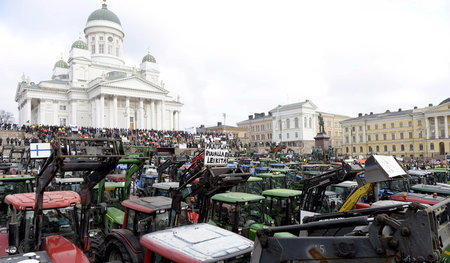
(200, 243)
(253, 185)
(283, 205)
(273, 180)
(13, 184)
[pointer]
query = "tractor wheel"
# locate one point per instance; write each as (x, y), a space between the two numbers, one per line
(97, 251)
(115, 251)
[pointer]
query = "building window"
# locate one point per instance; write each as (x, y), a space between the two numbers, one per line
(101, 48)
(385, 148)
(410, 135)
(401, 135)
(419, 122)
(394, 148)
(346, 129)
(296, 134)
(296, 122)
(93, 49)
(287, 135)
(93, 38)
(420, 147)
(346, 139)
(62, 121)
(360, 128)
(360, 138)
(376, 126)
(288, 123)
(306, 121)
(378, 148)
(354, 149)
(368, 127)
(385, 137)
(401, 124)
(279, 136)
(346, 149)
(420, 134)
(253, 137)
(62, 107)
(393, 136)
(402, 148)
(392, 125)
(376, 137)
(411, 148)
(368, 137)
(431, 146)
(409, 123)
(109, 50)
(101, 37)
(360, 149)
(310, 122)
(353, 138)
(384, 125)
(370, 149)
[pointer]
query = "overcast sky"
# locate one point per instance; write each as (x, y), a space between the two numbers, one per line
(240, 57)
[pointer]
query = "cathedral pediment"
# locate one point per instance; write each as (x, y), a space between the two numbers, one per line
(133, 83)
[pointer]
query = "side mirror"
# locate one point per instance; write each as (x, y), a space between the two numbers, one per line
(103, 208)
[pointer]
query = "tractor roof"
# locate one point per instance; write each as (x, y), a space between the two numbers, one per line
(270, 175)
(109, 186)
(54, 199)
(254, 179)
(281, 193)
(166, 185)
(281, 170)
(18, 177)
(197, 243)
(150, 204)
(236, 197)
(438, 188)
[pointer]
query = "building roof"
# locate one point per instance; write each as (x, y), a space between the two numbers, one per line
(149, 58)
(80, 44)
(104, 14)
(447, 100)
(292, 106)
(61, 64)
(380, 115)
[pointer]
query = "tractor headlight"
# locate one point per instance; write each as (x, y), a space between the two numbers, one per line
(11, 250)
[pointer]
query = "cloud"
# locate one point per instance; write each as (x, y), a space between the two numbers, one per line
(241, 57)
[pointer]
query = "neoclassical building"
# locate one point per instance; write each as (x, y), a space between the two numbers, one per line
(95, 88)
(413, 133)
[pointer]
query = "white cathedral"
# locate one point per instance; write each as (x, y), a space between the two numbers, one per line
(95, 88)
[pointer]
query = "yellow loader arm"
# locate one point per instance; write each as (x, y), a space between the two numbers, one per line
(355, 196)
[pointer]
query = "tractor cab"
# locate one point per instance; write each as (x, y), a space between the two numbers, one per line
(273, 180)
(260, 170)
(440, 175)
(164, 188)
(144, 184)
(239, 212)
(67, 184)
(343, 189)
(439, 189)
(253, 185)
(13, 184)
(148, 214)
(142, 216)
(59, 217)
(196, 243)
(283, 205)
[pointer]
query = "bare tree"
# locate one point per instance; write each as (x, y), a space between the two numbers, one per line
(6, 116)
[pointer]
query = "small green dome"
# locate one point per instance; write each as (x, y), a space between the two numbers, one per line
(104, 14)
(149, 58)
(61, 64)
(79, 44)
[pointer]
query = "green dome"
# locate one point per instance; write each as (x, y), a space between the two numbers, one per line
(61, 64)
(104, 14)
(79, 44)
(149, 58)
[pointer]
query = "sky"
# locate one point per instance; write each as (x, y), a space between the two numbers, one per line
(241, 57)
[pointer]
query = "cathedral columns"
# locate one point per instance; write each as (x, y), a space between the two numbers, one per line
(115, 114)
(436, 129)
(42, 112)
(163, 117)
(127, 112)
(153, 114)
(74, 112)
(102, 111)
(446, 126)
(140, 124)
(27, 118)
(148, 116)
(97, 112)
(55, 113)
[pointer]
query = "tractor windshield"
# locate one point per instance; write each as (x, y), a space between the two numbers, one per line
(278, 182)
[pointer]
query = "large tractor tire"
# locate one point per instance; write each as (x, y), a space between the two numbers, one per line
(97, 251)
(116, 252)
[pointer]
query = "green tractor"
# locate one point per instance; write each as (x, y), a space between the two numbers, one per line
(253, 185)
(13, 184)
(273, 180)
(283, 205)
(239, 212)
